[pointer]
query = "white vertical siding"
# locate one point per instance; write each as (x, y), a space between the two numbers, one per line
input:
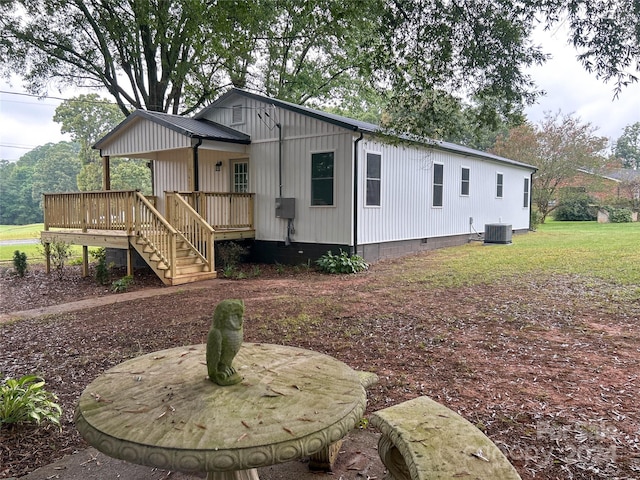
(301, 136)
(170, 174)
(145, 136)
(406, 210)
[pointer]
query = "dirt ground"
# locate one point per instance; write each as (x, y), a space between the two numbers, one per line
(547, 367)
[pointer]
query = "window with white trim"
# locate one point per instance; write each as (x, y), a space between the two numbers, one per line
(237, 114)
(322, 179)
(438, 184)
(525, 203)
(466, 178)
(499, 184)
(374, 167)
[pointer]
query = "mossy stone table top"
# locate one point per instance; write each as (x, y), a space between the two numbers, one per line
(161, 409)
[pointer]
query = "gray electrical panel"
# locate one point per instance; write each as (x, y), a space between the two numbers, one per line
(286, 208)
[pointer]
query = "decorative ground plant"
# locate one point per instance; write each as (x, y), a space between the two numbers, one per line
(20, 262)
(25, 400)
(342, 263)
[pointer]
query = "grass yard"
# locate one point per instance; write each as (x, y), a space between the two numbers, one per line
(33, 250)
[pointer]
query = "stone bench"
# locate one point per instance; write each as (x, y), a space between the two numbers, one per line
(324, 459)
(424, 440)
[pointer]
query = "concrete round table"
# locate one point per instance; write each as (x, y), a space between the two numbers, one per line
(161, 410)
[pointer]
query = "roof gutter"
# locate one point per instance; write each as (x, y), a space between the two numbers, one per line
(355, 191)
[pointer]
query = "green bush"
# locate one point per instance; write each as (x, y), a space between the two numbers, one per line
(102, 271)
(575, 208)
(122, 284)
(59, 253)
(342, 263)
(231, 254)
(26, 401)
(20, 262)
(619, 215)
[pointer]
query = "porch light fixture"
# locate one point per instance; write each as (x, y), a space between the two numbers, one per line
(219, 166)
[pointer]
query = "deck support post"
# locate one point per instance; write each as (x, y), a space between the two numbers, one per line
(47, 256)
(85, 261)
(130, 261)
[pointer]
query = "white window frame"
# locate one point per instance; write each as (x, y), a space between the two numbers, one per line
(526, 192)
(333, 184)
(234, 184)
(368, 178)
(434, 185)
(462, 181)
(499, 175)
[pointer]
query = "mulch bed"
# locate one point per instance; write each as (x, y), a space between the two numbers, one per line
(548, 368)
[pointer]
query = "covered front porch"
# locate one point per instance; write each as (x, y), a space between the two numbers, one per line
(178, 246)
(200, 178)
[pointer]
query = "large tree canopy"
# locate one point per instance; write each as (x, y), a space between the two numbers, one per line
(175, 56)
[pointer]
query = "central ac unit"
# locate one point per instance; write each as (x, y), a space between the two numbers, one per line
(497, 233)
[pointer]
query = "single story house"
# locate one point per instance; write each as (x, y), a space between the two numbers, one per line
(296, 182)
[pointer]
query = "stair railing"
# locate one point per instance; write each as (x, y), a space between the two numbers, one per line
(156, 231)
(195, 230)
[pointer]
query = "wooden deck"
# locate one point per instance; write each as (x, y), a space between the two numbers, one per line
(179, 248)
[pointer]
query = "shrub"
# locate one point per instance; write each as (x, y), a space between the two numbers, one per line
(59, 253)
(122, 284)
(102, 272)
(231, 254)
(342, 263)
(619, 215)
(26, 401)
(20, 262)
(575, 207)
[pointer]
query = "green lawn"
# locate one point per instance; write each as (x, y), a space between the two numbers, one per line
(609, 251)
(33, 250)
(18, 232)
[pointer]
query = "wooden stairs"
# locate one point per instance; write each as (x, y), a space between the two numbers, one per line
(189, 266)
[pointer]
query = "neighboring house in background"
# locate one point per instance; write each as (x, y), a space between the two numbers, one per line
(609, 186)
(309, 181)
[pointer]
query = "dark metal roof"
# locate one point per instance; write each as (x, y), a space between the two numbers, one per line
(190, 127)
(360, 126)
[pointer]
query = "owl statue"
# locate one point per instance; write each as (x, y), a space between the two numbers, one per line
(224, 341)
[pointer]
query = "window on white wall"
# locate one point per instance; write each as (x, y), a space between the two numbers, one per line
(240, 177)
(322, 179)
(237, 114)
(466, 177)
(499, 184)
(438, 184)
(525, 203)
(374, 161)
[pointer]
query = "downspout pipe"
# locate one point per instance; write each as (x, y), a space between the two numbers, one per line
(355, 192)
(196, 166)
(279, 159)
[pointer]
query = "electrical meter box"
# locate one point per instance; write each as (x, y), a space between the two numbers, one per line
(286, 208)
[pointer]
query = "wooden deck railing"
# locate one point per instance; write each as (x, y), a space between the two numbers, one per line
(222, 210)
(196, 231)
(156, 232)
(108, 210)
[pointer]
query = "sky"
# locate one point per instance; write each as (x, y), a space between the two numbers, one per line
(27, 122)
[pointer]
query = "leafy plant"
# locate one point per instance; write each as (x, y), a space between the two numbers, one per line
(26, 401)
(20, 262)
(102, 272)
(619, 215)
(342, 263)
(231, 254)
(122, 284)
(575, 207)
(59, 253)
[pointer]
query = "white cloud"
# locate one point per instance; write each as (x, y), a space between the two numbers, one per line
(25, 122)
(571, 89)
